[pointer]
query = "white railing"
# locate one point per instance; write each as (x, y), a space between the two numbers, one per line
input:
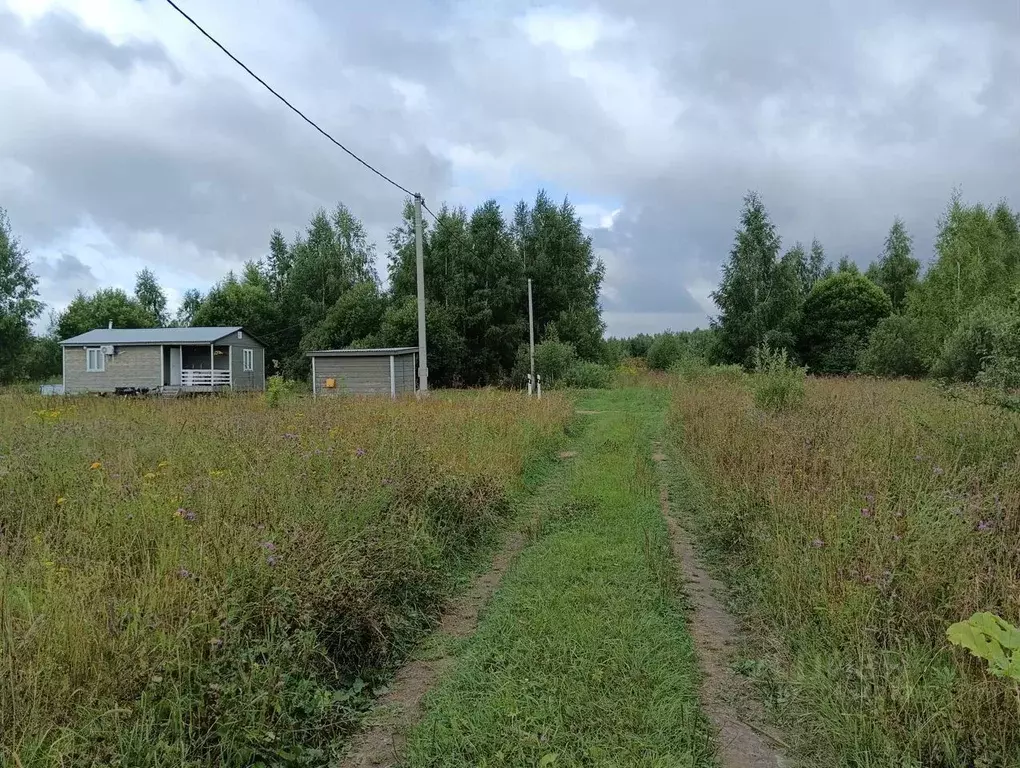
(206, 378)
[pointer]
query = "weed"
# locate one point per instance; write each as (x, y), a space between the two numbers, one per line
(778, 384)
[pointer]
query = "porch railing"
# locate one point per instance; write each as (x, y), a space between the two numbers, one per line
(205, 378)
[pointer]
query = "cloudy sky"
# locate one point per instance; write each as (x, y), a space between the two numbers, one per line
(127, 140)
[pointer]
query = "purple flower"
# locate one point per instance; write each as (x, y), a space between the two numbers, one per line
(817, 543)
(215, 642)
(919, 457)
(984, 525)
(870, 498)
(359, 452)
(865, 512)
(268, 546)
(184, 573)
(938, 470)
(186, 515)
(289, 436)
(896, 537)
(271, 561)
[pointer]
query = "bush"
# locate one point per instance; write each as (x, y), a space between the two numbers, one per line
(665, 351)
(276, 389)
(839, 315)
(894, 349)
(971, 344)
(553, 358)
(586, 375)
(778, 385)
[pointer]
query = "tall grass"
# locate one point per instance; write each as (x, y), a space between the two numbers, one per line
(214, 582)
(856, 529)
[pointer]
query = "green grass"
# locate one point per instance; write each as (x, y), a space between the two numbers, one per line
(582, 657)
(216, 582)
(854, 530)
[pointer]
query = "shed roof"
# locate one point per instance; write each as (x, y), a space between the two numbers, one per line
(154, 335)
(385, 351)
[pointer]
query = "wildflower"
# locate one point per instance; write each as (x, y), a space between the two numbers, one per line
(865, 512)
(184, 573)
(938, 470)
(186, 515)
(919, 457)
(215, 642)
(163, 465)
(271, 561)
(217, 472)
(870, 498)
(897, 537)
(268, 546)
(984, 525)
(150, 476)
(817, 543)
(289, 436)
(359, 452)
(60, 500)
(95, 465)
(387, 481)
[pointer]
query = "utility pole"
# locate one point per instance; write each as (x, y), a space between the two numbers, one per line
(423, 366)
(531, 332)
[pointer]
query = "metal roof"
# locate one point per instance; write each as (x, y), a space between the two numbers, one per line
(153, 335)
(362, 352)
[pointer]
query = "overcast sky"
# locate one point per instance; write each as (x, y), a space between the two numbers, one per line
(127, 140)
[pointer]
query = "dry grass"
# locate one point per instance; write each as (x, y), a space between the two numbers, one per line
(856, 529)
(215, 582)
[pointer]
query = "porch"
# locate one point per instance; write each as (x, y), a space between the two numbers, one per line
(196, 368)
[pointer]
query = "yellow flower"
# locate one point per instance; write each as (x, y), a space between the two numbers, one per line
(60, 500)
(95, 465)
(163, 464)
(150, 476)
(217, 472)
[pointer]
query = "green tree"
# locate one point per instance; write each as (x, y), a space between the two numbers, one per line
(795, 261)
(758, 296)
(356, 316)
(19, 302)
(86, 313)
(848, 265)
(151, 297)
(894, 348)
(896, 270)
(818, 268)
(191, 301)
(839, 315)
(446, 350)
(247, 302)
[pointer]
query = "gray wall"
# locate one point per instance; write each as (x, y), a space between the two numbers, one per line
(246, 380)
(368, 375)
(130, 367)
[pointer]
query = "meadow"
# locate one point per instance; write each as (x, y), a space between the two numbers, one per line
(855, 526)
(218, 582)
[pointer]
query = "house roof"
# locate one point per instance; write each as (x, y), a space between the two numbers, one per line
(362, 352)
(153, 335)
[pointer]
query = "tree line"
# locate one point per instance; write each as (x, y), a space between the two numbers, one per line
(958, 319)
(320, 290)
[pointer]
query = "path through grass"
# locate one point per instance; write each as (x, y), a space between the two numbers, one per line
(583, 657)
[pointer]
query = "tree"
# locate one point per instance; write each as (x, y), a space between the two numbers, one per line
(86, 313)
(817, 266)
(190, 303)
(896, 270)
(839, 315)
(151, 296)
(893, 349)
(19, 303)
(758, 298)
(246, 302)
(796, 262)
(848, 266)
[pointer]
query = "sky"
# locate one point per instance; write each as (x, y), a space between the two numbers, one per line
(127, 140)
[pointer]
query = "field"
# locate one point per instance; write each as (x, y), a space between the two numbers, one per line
(224, 583)
(854, 529)
(214, 582)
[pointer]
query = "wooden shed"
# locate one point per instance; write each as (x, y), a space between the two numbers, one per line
(389, 371)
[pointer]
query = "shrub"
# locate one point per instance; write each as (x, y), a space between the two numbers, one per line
(970, 344)
(586, 375)
(553, 359)
(894, 348)
(839, 314)
(778, 385)
(276, 389)
(665, 351)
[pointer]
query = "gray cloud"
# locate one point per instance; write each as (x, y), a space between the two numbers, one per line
(843, 115)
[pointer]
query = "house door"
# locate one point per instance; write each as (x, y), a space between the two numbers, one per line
(174, 366)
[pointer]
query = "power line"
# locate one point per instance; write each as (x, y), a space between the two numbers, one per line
(297, 111)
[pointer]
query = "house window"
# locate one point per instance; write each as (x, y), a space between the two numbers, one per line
(95, 360)
(249, 360)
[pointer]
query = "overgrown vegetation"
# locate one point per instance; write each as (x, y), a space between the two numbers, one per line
(199, 583)
(855, 530)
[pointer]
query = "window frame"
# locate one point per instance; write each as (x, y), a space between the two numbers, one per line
(100, 358)
(247, 359)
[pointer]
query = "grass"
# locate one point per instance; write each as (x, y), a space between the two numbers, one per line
(855, 529)
(582, 657)
(214, 582)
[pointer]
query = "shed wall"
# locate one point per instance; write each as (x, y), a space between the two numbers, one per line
(242, 379)
(369, 375)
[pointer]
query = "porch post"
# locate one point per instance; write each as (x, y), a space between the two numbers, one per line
(230, 363)
(212, 365)
(162, 368)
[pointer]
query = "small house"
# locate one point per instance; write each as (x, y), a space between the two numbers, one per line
(165, 359)
(389, 371)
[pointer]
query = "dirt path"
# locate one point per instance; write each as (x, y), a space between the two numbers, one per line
(729, 702)
(381, 744)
